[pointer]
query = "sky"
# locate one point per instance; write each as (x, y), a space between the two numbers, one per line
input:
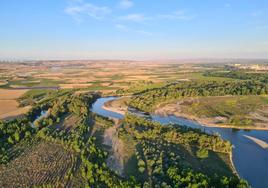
(133, 29)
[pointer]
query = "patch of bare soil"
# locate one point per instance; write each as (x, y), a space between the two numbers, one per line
(115, 160)
(9, 94)
(69, 122)
(9, 107)
(73, 86)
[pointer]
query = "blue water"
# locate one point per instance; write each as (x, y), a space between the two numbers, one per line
(250, 159)
(42, 115)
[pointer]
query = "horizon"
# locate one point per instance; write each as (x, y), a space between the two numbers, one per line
(203, 60)
(133, 30)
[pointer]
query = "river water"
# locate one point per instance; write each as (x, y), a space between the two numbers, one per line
(42, 115)
(250, 159)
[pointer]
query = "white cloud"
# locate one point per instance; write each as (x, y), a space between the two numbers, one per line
(121, 27)
(79, 9)
(227, 5)
(142, 32)
(177, 15)
(257, 13)
(127, 29)
(125, 4)
(134, 18)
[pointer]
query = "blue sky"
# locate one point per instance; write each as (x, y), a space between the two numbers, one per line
(133, 29)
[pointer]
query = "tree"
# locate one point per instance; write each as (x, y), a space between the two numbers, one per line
(10, 140)
(202, 153)
(17, 136)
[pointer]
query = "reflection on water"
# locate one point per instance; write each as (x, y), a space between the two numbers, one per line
(250, 159)
(42, 115)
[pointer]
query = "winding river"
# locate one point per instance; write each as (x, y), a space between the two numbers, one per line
(249, 156)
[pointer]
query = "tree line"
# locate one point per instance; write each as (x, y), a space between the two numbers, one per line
(238, 74)
(149, 99)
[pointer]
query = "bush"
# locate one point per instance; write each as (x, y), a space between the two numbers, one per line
(202, 153)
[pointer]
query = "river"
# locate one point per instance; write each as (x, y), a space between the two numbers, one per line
(249, 158)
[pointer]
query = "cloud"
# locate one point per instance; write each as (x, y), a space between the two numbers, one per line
(142, 32)
(177, 15)
(134, 18)
(127, 29)
(78, 8)
(121, 27)
(257, 13)
(227, 5)
(141, 18)
(125, 4)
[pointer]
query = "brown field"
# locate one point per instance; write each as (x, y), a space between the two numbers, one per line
(83, 74)
(9, 107)
(73, 86)
(2, 83)
(43, 163)
(6, 94)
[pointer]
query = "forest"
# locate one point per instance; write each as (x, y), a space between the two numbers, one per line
(178, 156)
(239, 74)
(165, 156)
(147, 100)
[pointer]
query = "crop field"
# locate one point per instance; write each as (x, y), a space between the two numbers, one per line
(9, 106)
(93, 75)
(42, 164)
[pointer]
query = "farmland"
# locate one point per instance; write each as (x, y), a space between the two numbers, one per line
(43, 163)
(9, 106)
(24, 84)
(72, 146)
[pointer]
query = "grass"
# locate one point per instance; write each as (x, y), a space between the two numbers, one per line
(37, 95)
(226, 106)
(200, 77)
(140, 86)
(33, 96)
(237, 109)
(213, 162)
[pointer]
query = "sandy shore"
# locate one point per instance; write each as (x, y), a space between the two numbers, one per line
(260, 142)
(113, 109)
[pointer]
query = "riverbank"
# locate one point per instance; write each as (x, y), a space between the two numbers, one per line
(243, 150)
(117, 105)
(207, 122)
(219, 111)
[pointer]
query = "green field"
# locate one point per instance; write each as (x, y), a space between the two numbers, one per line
(237, 110)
